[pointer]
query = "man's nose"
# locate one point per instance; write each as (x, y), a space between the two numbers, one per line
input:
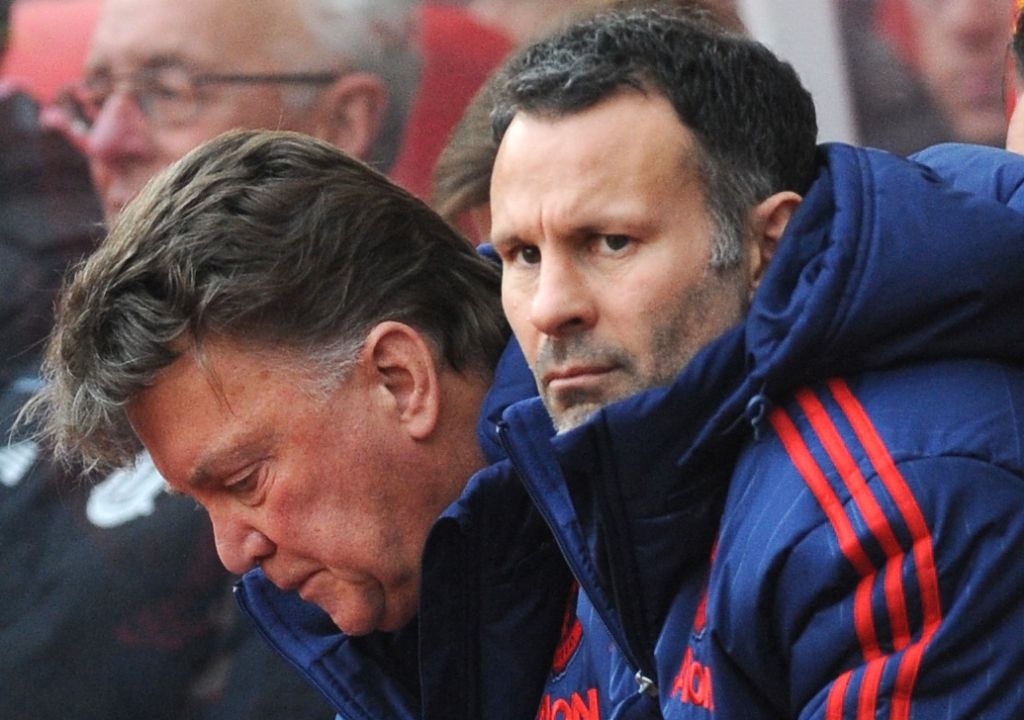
(240, 545)
(561, 301)
(120, 130)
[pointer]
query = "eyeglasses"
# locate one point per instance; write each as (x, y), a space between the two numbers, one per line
(167, 96)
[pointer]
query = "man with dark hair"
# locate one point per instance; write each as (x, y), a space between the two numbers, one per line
(785, 381)
(281, 329)
(462, 174)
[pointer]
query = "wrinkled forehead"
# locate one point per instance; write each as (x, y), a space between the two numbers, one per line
(214, 35)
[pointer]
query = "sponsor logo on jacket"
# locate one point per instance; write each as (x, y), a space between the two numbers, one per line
(572, 708)
(693, 685)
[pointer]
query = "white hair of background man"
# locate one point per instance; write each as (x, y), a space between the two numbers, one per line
(379, 37)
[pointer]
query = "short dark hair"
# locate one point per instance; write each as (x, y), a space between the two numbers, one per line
(271, 240)
(753, 120)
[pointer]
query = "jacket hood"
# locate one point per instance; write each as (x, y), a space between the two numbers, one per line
(885, 262)
(515, 383)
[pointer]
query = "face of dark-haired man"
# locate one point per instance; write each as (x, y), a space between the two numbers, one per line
(606, 240)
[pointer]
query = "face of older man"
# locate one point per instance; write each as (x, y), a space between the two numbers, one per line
(328, 490)
(145, 53)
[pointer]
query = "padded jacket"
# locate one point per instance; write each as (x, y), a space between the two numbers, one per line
(821, 517)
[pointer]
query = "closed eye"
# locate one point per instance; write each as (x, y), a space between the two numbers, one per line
(244, 484)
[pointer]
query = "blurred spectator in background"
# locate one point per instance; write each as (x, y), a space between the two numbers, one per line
(933, 65)
(958, 47)
(384, 81)
(162, 76)
(893, 108)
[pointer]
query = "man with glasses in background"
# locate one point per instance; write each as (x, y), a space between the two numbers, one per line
(162, 76)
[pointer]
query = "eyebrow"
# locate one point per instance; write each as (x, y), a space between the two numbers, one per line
(503, 242)
(221, 462)
(162, 61)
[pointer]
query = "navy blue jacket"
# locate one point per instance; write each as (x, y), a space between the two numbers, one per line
(821, 517)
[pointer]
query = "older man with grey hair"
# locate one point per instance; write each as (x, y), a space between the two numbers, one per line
(115, 577)
(161, 77)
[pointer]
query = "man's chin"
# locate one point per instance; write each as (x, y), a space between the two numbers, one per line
(372, 621)
(569, 411)
(566, 419)
(354, 627)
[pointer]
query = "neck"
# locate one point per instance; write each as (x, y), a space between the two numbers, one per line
(458, 451)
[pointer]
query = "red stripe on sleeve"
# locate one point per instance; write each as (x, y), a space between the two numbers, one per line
(849, 543)
(924, 554)
(874, 516)
(867, 703)
(836, 697)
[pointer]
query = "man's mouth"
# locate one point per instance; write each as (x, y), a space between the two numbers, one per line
(575, 377)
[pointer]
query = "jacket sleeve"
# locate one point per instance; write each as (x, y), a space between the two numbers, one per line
(889, 574)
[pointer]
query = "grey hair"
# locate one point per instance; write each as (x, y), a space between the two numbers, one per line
(379, 37)
(276, 242)
(728, 196)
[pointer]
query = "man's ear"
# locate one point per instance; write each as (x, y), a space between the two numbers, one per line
(351, 113)
(767, 223)
(401, 364)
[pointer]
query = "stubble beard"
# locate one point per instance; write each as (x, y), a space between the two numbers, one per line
(700, 316)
